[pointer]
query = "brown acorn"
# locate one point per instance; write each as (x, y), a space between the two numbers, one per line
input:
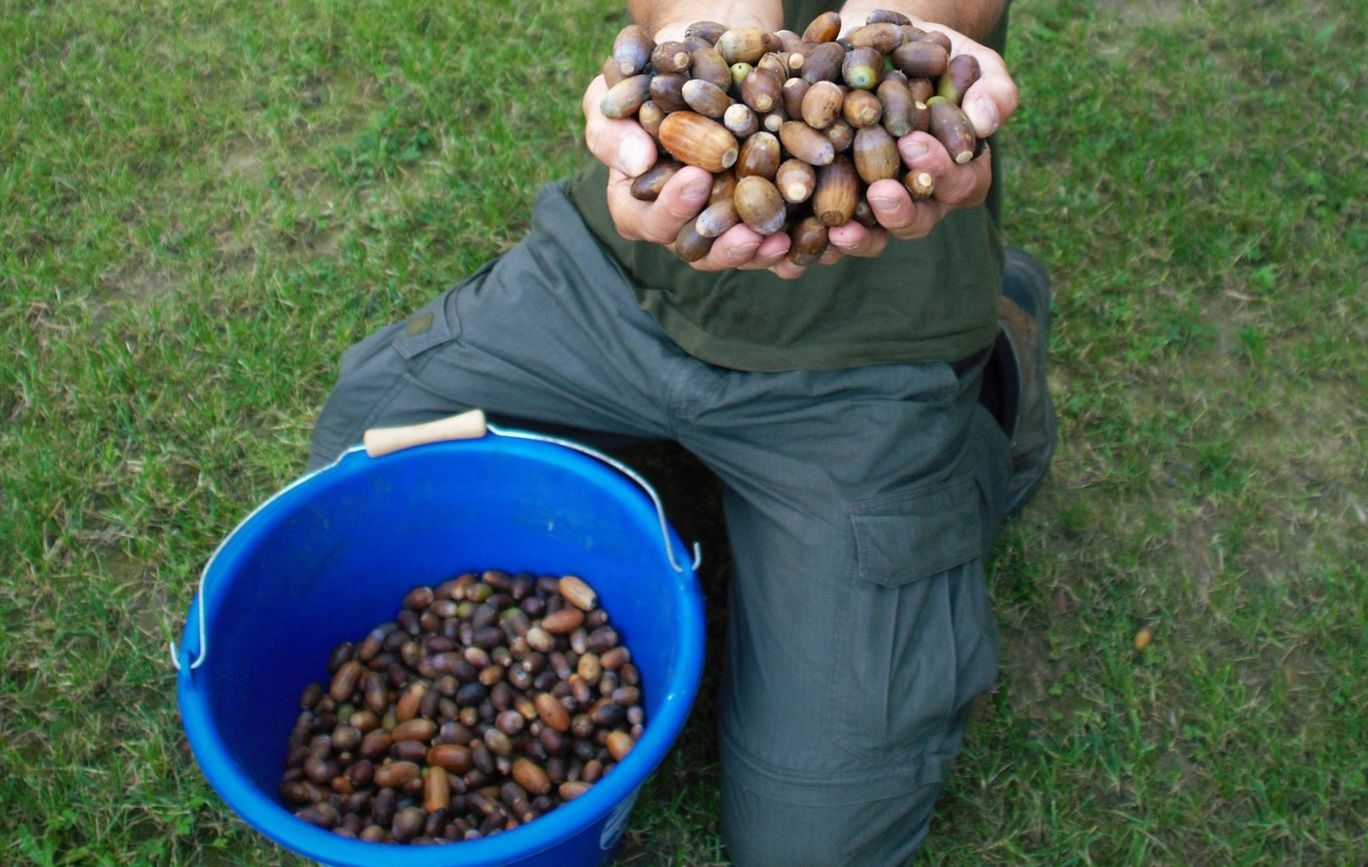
(952, 128)
(822, 104)
(911, 32)
(708, 31)
(689, 245)
(960, 74)
(717, 218)
(885, 16)
(936, 37)
(775, 64)
(920, 59)
(795, 180)
(806, 143)
(646, 187)
(632, 49)
(921, 89)
(708, 65)
(864, 214)
(883, 37)
(649, 116)
(896, 101)
(861, 108)
(706, 98)
(809, 242)
(840, 134)
(822, 62)
(693, 43)
(746, 44)
(862, 68)
(610, 72)
(824, 28)
(759, 156)
(670, 56)
(837, 192)
(773, 121)
(624, 98)
(698, 141)
(794, 90)
(920, 185)
(790, 42)
(761, 90)
(724, 185)
(740, 121)
(876, 154)
(759, 204)
(667, 91)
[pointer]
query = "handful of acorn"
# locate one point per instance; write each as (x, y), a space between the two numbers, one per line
(794, 128)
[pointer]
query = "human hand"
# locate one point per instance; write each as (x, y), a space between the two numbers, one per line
(628, 151)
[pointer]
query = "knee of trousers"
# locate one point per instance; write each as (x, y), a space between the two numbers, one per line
(762, 830)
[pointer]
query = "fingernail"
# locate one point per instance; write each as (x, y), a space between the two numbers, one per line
(913, 150)
(633, 156)
(886, 203)
(743, 251)
(696, 191)
(983, 115)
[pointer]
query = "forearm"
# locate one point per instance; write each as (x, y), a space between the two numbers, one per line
(974, 19)
(666, 19)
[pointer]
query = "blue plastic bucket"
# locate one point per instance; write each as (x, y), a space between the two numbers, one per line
(332, 555)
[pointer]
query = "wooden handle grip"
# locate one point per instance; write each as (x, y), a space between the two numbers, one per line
(464, 426)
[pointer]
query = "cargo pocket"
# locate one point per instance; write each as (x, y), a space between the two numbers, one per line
(918, 641)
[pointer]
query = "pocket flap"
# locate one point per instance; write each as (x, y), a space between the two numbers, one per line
(915, 534)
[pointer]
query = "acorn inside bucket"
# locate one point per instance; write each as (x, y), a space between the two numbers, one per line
(332, 555)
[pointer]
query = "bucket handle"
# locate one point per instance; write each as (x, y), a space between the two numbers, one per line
(467, 425)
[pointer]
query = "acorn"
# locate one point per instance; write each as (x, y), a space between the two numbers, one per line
(632, 49)
(739, 71)
(864, 214)
(759, 156)
(862, 68)
(670, 56)
(876, 154)
(610, 72)
(646, 187)
(745, 44)
(837, 191)
(740, 121)
(862, 108)
(708, 65)
(706, 98)
(761, 90)
(667, 91)
(723, 186)
(840, 134)
(885, 16)
(935, 37)
(824, 28)
(717, 218)
(759, 205)
(793, 44)
(822, 104)
(795, 180)
(920, 59)
(775, 64)
(920, 185)
(952, 128)
(689, 245)
(896, 101)
(806, 143)
(708, 31)
(809, 242)
(921, 89)
(883, 37)
(793, 91)
(649, 116)
(698, 141)
(822, 62)
(960, 74)
(624, 98)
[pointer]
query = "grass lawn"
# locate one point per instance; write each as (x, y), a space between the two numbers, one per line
(203, 204)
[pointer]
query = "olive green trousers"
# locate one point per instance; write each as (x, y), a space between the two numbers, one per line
(860, 504)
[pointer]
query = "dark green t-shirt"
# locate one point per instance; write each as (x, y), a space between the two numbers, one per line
(933, 299)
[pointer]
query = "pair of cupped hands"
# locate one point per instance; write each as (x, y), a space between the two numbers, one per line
(628, 150)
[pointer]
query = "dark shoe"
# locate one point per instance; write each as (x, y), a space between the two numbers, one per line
(1020, 352)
